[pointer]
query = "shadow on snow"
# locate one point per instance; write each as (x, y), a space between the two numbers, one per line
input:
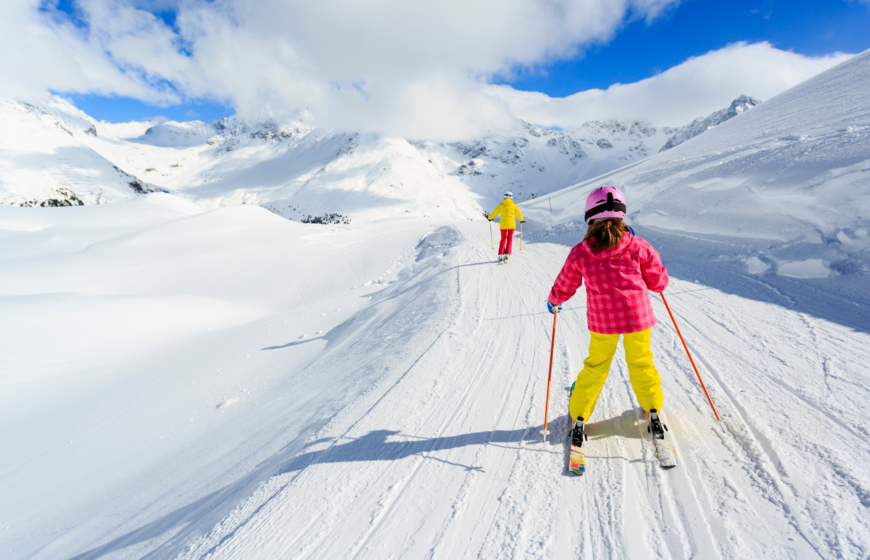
(186, 523)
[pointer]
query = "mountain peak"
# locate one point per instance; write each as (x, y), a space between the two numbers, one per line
(696, 127)
(739, 105)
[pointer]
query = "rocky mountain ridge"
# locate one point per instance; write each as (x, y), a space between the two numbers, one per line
(696, 127)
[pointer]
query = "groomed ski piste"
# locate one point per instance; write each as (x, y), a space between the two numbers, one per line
(183, 383)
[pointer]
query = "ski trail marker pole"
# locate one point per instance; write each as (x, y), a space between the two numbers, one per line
(709, 400)
(491, 242)
(546, 432)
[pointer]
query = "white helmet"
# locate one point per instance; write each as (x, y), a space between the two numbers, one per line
(509, 194)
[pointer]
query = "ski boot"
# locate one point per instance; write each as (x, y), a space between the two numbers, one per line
(506, 258)
(577, 460)
(664, 451)
(500, 259)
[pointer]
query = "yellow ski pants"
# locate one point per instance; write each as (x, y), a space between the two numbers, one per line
(642, 373)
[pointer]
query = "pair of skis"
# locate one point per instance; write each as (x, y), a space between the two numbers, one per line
(664, 451)
(657, 429)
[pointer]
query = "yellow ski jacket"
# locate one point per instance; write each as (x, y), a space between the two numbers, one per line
(508, 210)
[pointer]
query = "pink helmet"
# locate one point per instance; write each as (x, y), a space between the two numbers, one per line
(605, 202)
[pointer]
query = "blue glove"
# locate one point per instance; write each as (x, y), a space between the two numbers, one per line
(551, 307)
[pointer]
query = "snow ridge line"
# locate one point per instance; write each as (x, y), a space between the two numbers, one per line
(245, 512)
(439, 433)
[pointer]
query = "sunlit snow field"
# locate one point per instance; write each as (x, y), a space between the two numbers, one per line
(229, 382)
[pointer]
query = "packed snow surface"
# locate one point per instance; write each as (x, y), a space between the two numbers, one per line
(230, 384)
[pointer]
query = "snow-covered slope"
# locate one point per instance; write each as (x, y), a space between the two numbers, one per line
(779, 197)
(306, 173)
(46, 158)
(229, 384)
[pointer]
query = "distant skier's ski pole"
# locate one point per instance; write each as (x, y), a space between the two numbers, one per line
(701, 381)
(491, 242)
(550, 375)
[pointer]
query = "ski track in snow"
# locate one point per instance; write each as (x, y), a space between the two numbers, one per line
(442, 457)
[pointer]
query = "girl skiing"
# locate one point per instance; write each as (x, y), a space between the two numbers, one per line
(506, 225)
(619, 269)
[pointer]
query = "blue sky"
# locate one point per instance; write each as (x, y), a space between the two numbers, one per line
(808, 27)
(123, 109)
(639, 50)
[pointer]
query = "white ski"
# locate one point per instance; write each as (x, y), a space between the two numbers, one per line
(665, 453)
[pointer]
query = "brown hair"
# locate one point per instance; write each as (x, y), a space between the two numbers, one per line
(606, 233)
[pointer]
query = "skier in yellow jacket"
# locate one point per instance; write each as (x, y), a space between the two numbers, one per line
(506, 225)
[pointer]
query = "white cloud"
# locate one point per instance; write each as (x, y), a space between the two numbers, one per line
(695, 88)
(413, 69)
(410, 68)
(38, 57)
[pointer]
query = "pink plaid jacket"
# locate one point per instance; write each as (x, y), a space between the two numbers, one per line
(617, 281)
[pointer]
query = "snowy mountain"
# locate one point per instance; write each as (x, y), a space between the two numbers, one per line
(696, 127)
(535, 161)
(313, 172)
(46, 158)
(173, 134)
(302, 172)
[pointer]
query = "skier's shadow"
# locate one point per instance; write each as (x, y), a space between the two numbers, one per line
(181, 526)
(391, 445)
(294, 343)
(627, 426)
(567, 309)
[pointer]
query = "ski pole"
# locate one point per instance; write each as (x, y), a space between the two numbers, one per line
(521, 236)
(491, 242)
(701, 381)
(550, 375)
